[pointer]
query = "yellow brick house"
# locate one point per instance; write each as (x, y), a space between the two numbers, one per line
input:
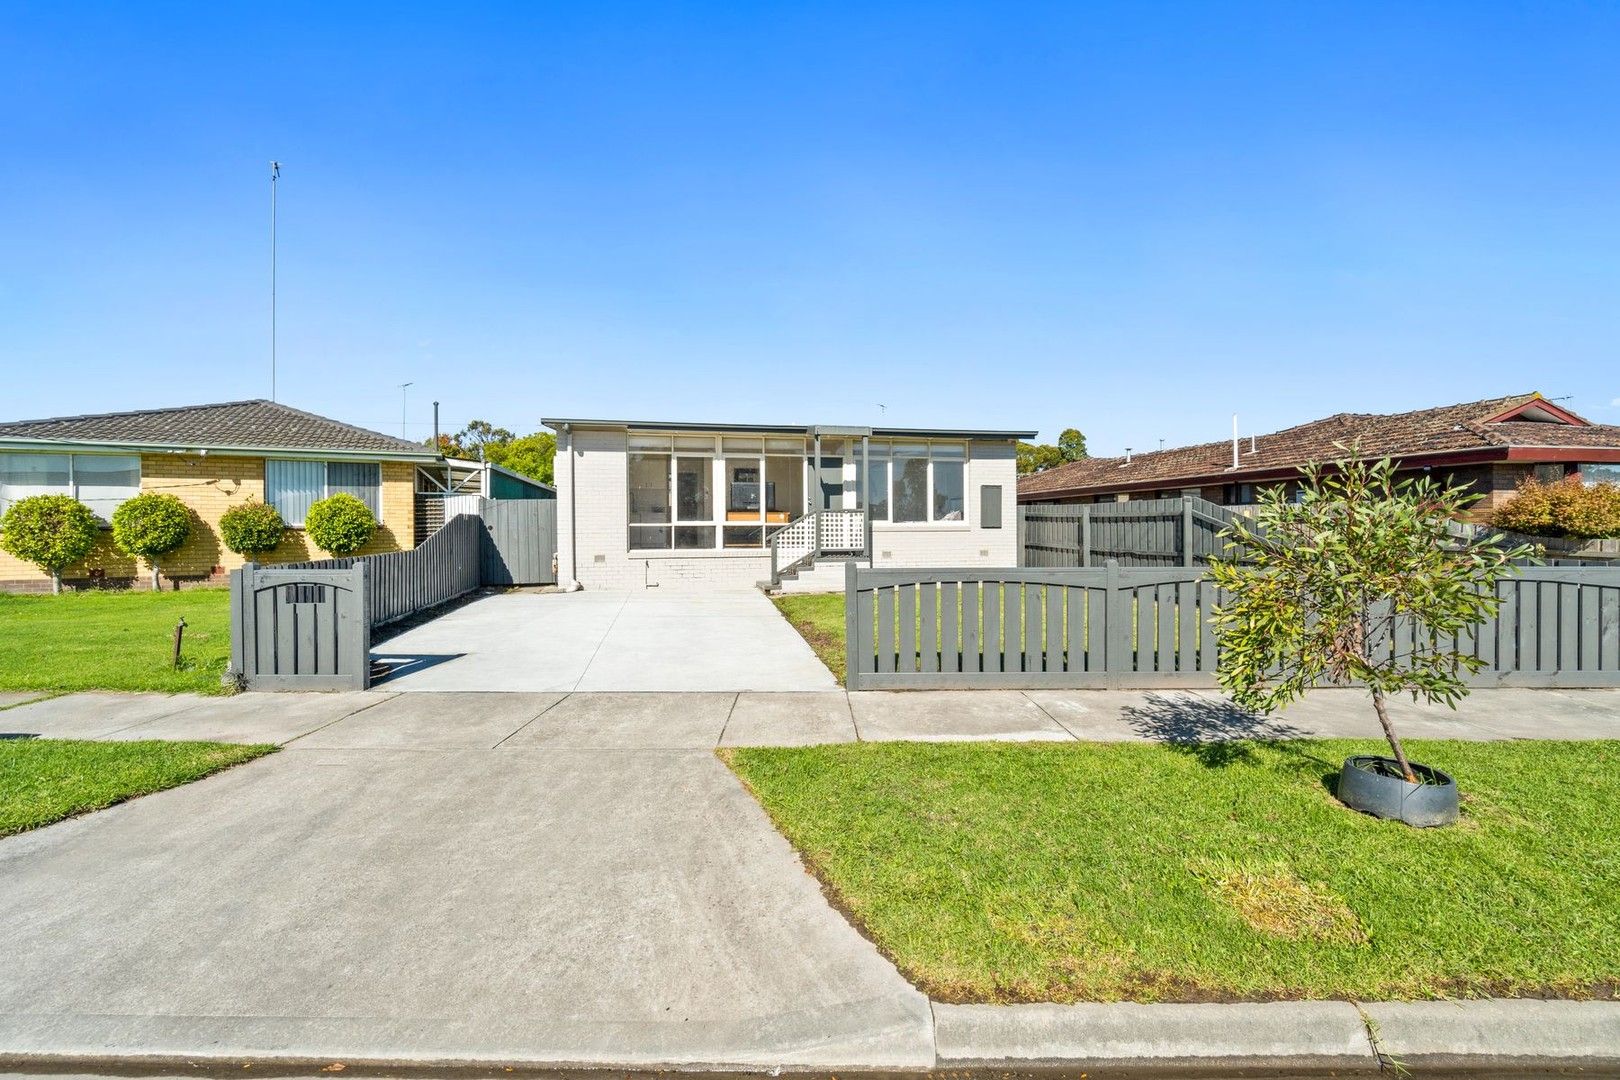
(212, 457)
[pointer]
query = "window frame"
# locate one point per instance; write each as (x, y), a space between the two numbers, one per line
(720, 450)
(72, 487)
(965, 460)
(326, 484)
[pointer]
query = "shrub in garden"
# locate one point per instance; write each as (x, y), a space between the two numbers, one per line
(150, 526)
(252, 528)
(1328, 581)
(1566, 508)
(340, 524)
(51, 531)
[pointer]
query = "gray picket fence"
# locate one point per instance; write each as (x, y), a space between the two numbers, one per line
(1142, 532)
(401, 583)
(1122, 627)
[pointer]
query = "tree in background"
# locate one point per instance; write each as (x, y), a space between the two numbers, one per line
(528, 455)
(1038, 457)
(51, 531)
(533, 456)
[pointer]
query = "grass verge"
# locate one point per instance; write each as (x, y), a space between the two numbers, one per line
(1102, 872)
(819, 619)
(46, 780)
(114, 641)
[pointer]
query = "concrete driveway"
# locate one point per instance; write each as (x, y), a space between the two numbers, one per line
(542, 642)
(442, 879)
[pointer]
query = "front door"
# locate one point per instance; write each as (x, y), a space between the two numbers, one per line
(830, 482)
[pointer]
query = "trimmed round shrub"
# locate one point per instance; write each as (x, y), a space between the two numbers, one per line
(252, 528)
(51, 531)
(340, 524)
(1567, 508)
(149, 526)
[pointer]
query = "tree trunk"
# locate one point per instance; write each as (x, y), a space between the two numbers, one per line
(155, 584)
(56, 583)
(1394, 740)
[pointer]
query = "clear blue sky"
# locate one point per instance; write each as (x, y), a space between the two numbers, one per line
(1133, 218)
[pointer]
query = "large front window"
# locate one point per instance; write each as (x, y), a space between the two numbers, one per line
(917, 482)
(705, 493)
(100, 481)
(293, 486)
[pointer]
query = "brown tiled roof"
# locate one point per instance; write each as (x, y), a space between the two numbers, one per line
(258, 425)
(1400, 435)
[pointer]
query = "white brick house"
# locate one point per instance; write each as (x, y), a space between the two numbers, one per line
(656, 504)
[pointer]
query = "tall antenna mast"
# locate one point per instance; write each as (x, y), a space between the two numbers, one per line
(275, 174)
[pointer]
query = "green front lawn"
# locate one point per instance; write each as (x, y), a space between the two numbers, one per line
(1100, 872)
(819, 619)
(114, 641)
(46, 780)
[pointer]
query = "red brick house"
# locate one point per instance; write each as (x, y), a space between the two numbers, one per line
(1491, 445)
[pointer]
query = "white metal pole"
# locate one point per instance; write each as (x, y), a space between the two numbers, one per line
(275, 174)
(1234, 441)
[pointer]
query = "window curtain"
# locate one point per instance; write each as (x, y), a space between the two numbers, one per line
(362, 479)
(104, 482)
(293, 486)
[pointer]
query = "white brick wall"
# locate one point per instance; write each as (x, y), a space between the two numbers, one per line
(592, 483)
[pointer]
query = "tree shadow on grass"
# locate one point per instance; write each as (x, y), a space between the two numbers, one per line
(1217, 733)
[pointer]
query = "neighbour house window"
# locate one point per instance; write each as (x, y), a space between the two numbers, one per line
(1549, 473)
(293, 486)
(100, 481)
(1594, 473)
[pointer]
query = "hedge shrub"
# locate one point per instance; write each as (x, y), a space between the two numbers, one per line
(51, 531)
(252, 528)
(340, 524)
(149, 526)
(1566, 508)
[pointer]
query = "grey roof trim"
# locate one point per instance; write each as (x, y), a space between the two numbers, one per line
(96, 446)
(557, 423)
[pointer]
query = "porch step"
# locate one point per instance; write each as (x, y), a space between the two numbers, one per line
(825, 575)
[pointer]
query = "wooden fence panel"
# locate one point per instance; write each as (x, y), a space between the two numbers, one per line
(1148, 627)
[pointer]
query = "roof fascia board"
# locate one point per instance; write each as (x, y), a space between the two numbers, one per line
(559, 423)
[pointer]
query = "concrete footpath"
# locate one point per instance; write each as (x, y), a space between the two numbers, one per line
(554, 880)
(748, 718)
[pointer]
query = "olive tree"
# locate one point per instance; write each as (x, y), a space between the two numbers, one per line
(1356, 581)
(51, 531)
(150, 526)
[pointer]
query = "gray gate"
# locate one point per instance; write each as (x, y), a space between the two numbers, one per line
(520, 541)
(300, 629)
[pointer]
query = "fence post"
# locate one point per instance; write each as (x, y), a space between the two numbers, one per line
(1085, 534)
(1186, 531)
(852, 626)
(1120, 625)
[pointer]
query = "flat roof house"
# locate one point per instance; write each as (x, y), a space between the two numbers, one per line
(658, 504)
(212, 457)
(1490, 445)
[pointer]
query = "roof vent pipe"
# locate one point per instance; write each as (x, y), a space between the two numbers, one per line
(1252, 446)
(1127, 456)
(1234, 441)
